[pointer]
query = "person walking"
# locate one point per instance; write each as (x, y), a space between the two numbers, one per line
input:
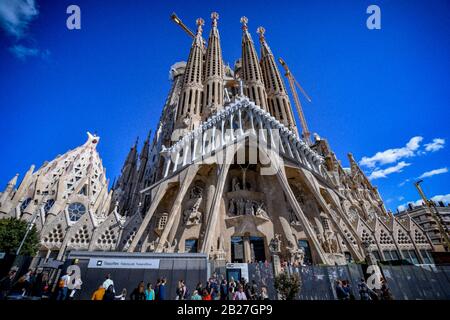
(109, 294)
(98, 294)
(108, 282)
(149, 292)
(76, 286)
(138, 292)
(6, 284)
(63, 285)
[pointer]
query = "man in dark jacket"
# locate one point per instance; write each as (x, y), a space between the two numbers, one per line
(162, 290)
(6, 284)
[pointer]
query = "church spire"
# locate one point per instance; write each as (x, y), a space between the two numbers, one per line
(251, 70)
(190, 103)
(277, 97)
(214, 71)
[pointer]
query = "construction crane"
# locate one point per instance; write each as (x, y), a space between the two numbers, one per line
(178, 21)
(292, 84)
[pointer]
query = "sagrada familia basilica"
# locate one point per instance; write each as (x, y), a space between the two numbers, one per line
(226, 173)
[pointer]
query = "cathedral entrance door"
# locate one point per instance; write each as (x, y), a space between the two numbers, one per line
(257, 248)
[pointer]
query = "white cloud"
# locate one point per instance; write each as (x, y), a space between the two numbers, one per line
(436, 145)
(23, 52)
(444, 198)
(16, 15)
(393, 155)
(433, 173)
(401, 198)
(383, 173)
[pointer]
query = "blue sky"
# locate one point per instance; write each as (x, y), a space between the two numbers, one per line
(381, 94)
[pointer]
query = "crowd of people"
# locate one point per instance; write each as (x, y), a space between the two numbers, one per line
(344, 291)
(36, 284)
(212, 290)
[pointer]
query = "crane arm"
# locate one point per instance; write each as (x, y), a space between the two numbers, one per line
(178, 21)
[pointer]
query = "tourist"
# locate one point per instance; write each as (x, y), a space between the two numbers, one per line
(206, 295)
(63, 287)
(6, 284)
(149, 292)
(232, 285)
(224, 290)
(108, 282)
(264, 295)
(181, 290)
(162, 290)
(199, 287)
(196, 296)
(99, 293)
(122, 296)
(340, 292)
(109, 294)
(348, 289)
(254, 290)
(230, 295)
(76, 286)
(239, 294)
(385, 292)
(364, 292)
(138, 292)
(157, 285)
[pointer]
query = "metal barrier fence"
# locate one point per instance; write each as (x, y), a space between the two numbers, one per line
(406, 282)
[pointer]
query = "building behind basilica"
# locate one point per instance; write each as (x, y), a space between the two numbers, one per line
(226, 173)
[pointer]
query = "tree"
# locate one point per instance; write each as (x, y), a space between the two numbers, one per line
(288, 286)
(12, 231)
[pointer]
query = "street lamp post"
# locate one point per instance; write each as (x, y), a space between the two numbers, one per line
(29, 228)
(435, 215)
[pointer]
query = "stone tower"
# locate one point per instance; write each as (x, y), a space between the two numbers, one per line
(251, 70)
(190, 103)
(277, 97)
(214, 72)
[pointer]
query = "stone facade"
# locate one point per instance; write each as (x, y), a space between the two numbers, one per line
(197, 187)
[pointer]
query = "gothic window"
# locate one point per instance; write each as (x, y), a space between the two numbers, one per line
(25, 204)
(162, 222)
(48, 205)
(76, 211)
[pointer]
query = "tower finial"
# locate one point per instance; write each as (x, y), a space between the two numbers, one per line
(200, 23)
(244, 21)
(214, 17)
(261, 31)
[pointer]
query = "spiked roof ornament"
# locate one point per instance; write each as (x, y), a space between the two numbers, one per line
(214, 17)
(244, 21)
(200, 23)
(261, 31)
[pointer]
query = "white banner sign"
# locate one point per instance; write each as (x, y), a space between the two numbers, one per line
(123, 263)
